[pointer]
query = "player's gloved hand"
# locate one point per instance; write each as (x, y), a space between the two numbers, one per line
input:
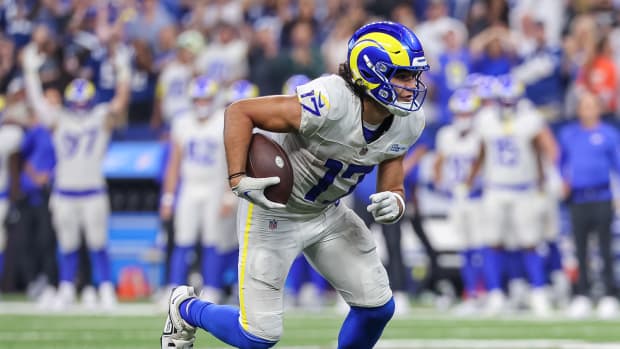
(384, 207)
(32, 59)
(253, 190)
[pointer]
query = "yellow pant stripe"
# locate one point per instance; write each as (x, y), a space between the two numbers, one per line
(242, 264)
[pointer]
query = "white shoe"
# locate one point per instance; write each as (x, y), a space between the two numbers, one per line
(65, 296)
(466, 308)
(177, 332)
(539, 302)
(162, 298)
(47, 298)
(401, 303)
(580, 307)
(495, 303)
(518, 294)
(107, 294)
(560, 288)
(172, 338)
(211, 294)
(89, 297)
(607, 308)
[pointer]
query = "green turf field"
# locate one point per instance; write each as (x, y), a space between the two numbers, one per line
(426, 329)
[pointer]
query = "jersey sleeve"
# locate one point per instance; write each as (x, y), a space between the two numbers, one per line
(176, 132)
(321, 100)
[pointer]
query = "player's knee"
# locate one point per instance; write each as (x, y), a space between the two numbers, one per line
(253, 342)
(377, 315)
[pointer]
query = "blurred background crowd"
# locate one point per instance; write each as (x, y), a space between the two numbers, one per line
(556, 48)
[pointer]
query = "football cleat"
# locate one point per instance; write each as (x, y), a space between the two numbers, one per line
(171, 337)
(177, 332)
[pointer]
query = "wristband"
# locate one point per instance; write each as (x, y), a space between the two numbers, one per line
(235, 175)
(402, 202)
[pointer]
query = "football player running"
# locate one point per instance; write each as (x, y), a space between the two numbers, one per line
(79, 199)
(337, 129)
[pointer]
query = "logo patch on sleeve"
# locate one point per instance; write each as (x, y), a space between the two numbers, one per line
(396, 148)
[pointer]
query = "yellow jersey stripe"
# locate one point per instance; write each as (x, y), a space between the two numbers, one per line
(242, 264)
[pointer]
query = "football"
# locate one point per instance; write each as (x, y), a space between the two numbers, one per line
(266, 158)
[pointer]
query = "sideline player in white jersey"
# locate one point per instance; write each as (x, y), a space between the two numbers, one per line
(197, 170)
(514, 142)
(79, 201)
(379, 86)
(11, 136)
(457, 148)
(171, 91)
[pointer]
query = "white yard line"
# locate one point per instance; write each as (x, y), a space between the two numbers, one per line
(491, 344)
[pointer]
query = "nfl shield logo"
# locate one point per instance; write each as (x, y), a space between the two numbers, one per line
(273, 224)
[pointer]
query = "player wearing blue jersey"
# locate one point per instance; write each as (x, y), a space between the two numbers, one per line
(379, 87)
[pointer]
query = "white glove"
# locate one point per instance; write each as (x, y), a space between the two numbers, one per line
(253, 190)
(384, 207)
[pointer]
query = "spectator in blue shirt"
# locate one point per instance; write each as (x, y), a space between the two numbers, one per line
(590, 151)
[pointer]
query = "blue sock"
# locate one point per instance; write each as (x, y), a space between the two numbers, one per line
(222, 321)
(178, 265)
(1, 264)
(212, 267)
(100, 266)
(477, 263)
(492, 268)
(363, 326)
(535, 267)
(68, 266)
(514, 265)
(231, 261)
(468, 273)
(297, 274)
(554, 257)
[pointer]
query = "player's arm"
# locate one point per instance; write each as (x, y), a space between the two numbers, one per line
(31, 62)
(388, 203)
(171, 179)
(475, 167)
(117, 113)
(437, 166)
(546, 143)
(272, 113)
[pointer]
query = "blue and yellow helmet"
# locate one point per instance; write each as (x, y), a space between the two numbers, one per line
(80, 95)
(509, 90)
(464, 101)
(291, 84)
(376, 52)
(485, 86)
(241, 89)
(203, 87)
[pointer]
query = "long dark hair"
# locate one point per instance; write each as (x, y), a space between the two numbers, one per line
(344, 71)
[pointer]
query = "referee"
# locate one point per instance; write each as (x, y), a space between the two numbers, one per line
(590, 151)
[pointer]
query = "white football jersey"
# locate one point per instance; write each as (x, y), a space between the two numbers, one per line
(329, 154)
(510, 157)
(80, 144)
(172, 90)
(459, 151)
(11, 136)
(203, 162)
